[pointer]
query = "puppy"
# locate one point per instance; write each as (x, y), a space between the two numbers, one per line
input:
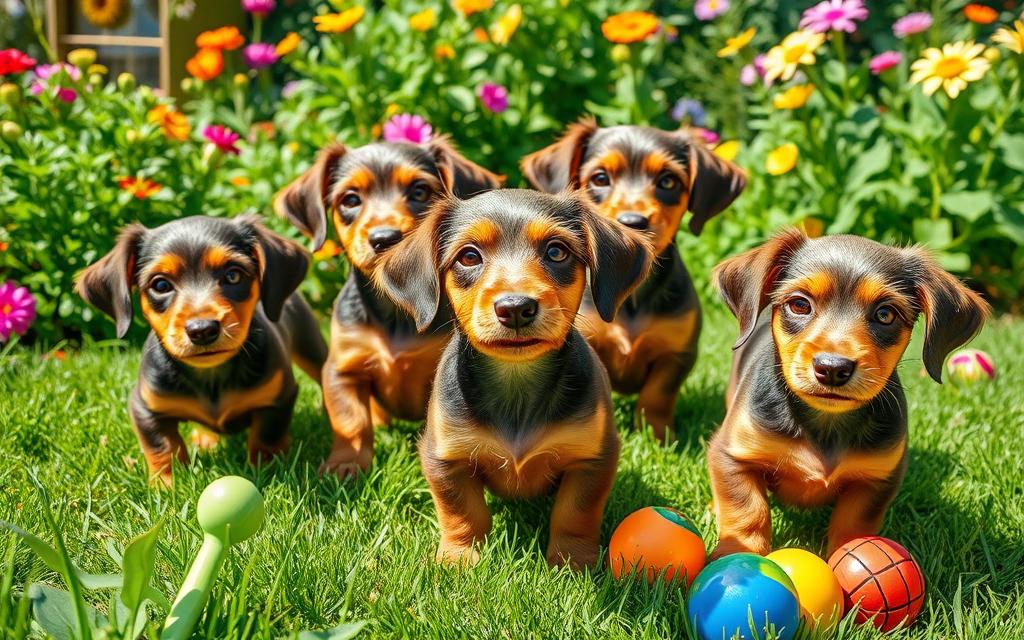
(644, 179)
(219, 296)
(378, 365)
(521, 404)
(816, 412)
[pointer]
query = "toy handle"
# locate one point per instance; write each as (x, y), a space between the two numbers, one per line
(195, 590)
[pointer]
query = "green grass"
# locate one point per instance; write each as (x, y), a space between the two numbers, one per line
(362, 550)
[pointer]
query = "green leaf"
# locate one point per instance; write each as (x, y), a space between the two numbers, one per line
(937, 234)
(474, 58)
(460, 97)
(341, 632)
(1012, 146)
(52, 560)
(959, 262)
(968, 204)
(137, 565)
(871, 162)
(1010, 222)
(54, 611)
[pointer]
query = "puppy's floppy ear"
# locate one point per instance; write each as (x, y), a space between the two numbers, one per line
(714, 183)
(746, 281)
(462, 177)
(304, 201)
(407, 273)
(283, 264)
(619, 260)
(953, 313)
(555, 168)
(107, 283)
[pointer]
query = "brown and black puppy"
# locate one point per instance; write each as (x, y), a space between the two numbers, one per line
(521, 405)
(645, 179)
(226, 323)
(816, 412)
(379, 365)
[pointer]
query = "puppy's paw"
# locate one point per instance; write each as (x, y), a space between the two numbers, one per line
(456, 555)
(347, 463)
(203, 438)
(262, 453)
(729, 546)
(572, 551)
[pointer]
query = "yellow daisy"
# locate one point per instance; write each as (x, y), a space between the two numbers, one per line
(735, 44)
(951, 68)
(782, 159)
(793, 97)
(727, 150)
(502, 30)
(1012, 39)
(422, 21)
(796, 49)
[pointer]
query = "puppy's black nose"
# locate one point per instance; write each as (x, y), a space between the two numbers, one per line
(202, 332)
(515, 311)
(633, 221)
(832, 370)
(383, 238)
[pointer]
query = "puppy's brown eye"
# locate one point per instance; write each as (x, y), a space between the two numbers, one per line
(419, 192)
(161, 286)
(885, 314)
(799, 306)
(351, 200)
(600, 179)
(667, 182)
(469, 257)
(556, 252)
(233, 276)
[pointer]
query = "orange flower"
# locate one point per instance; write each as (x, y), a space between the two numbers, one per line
(469, 7)
(329, 250)
(287, 44)
(4, 246)
(629, 27)
(240, 181)
(264, 128)
(444, 52)
(141, 188)
(980, 13)
(339, 22)
(227, 38)
(173, 123)
(481, 35)
(206, 64)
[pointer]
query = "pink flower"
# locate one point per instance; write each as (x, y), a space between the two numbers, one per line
(65, 94)
(912, 23)
(748, 75)
(222, 137)
(259, 55)
(834, 15)
(259, 7)
(707, 135)
(494, 96)
(14, 61)
(760, 69)
(17, 310)
(710, 9)
(885, 61)
(50, 75)
(405, 127)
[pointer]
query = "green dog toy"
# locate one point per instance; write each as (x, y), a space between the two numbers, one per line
(230, 510)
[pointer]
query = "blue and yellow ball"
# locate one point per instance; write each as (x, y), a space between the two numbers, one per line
(732, 591)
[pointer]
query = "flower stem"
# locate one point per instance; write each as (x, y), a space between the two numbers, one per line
(840, 44)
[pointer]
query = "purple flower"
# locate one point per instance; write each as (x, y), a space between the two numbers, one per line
(834, 15)
(494, 96)
(710, 9)
(222, 137)
(405, 127)
(885, 61)
(17, 310)
(259, 7)
(690, 109)
(259, 55)
(748, 75)
(912, 23)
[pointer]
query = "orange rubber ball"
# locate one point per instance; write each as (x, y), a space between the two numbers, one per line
(657, 541)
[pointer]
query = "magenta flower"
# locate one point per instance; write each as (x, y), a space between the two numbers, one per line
(48, 75)
(259, 7)
(259, 55)
(710, 9)
(222, 137)
(912, 23)
(17, 310)
(405, 127)
(494, 96)
(885, 61)
(707, 135)
(834, 15)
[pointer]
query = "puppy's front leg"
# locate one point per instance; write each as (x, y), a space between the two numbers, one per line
(159, 437)
(578, 510)
(347, 399)
(462, 512)
(656, 402)
(741, 504)
(860, 508)
(268, 434)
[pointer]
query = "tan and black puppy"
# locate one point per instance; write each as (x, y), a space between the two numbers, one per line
(521, 405)
(219, 296)
(816, 412)
(645, 179)
(379, 366)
